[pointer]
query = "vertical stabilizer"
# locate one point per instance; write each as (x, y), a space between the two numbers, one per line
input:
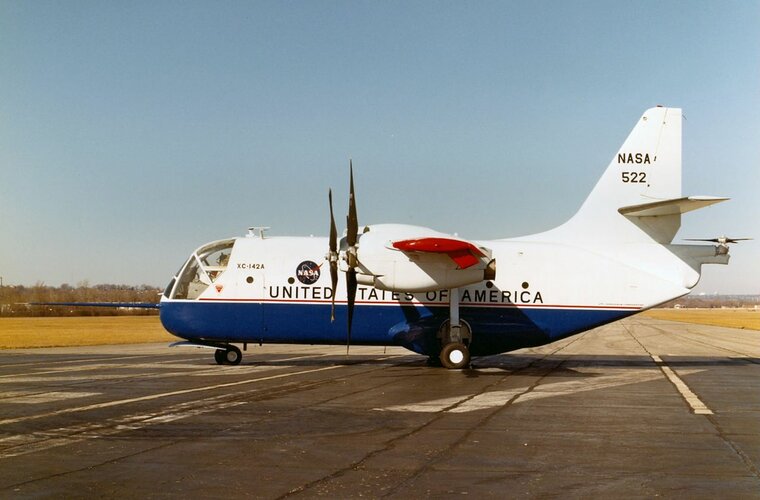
(646, 169)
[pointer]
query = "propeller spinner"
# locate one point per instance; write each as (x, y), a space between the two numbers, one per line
(350, 256)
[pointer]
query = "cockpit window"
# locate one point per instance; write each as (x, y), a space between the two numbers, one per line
(169, 288)
(202, 269)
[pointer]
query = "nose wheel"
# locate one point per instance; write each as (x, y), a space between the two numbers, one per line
(229, 356)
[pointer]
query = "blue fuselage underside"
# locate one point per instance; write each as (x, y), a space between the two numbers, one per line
(494, 329)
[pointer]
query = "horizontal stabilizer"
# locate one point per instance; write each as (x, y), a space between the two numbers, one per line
(673, 206)
(463, 253)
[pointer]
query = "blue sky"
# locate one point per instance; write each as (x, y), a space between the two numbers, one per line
(133, 132)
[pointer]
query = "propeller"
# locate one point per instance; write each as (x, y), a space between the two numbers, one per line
(722, 240)
(332, 256)
(352, 232)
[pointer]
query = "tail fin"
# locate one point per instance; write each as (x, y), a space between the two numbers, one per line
(646, 169)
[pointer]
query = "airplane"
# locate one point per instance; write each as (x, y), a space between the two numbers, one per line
(450, 298)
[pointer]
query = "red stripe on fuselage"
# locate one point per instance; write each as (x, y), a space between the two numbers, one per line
(426, 304)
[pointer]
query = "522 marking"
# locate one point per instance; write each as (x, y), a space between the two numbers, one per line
(634, 176)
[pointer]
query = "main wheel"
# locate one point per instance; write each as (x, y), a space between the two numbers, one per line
(232, 355)
(220, 356)
(455, 356)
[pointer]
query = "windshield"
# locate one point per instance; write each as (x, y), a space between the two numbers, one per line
(202, 269)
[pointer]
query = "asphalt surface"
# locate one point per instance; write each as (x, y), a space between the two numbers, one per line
(639, 408)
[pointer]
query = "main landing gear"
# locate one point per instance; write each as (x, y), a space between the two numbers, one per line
(455, 355)
(455, 336)
(230, 355)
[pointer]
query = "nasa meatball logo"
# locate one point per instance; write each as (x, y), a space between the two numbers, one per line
(307, 272)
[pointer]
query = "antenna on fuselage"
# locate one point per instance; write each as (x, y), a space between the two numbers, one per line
(253, 229)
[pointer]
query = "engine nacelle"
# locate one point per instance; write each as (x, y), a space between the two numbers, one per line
(388, 268)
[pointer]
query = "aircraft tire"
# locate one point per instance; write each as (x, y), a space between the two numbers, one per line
(455, 356)
(220, 356)
(232, 356)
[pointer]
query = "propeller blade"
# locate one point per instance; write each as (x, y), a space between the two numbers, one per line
(333, 256)
(351, 287)
(333, 229)
(736, 240)
(352, 220)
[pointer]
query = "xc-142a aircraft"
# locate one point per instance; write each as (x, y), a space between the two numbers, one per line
(450, 298)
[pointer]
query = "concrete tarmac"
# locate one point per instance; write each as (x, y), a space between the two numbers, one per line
(638, 408)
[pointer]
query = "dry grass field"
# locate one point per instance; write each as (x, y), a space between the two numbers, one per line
(731, 318)
(75, 331)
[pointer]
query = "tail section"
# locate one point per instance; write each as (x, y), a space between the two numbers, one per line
(634, 212)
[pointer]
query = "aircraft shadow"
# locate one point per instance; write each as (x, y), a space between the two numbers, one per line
(514, 362)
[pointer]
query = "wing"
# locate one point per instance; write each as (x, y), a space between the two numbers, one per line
(404, 258)
(118, 305)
